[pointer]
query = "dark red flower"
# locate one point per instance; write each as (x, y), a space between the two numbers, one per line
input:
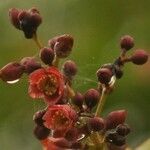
(60, 117)
(46, 83)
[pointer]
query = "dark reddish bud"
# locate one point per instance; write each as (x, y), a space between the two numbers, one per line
(91, 97)
(127, 42)
(118, 72)
(11, 72)
(70, 68)
(123, 129)
(115, 118)
(29, 21)
(13, 14)
(38, 117)
(72, 134)
(63, 45)
(139, 57)
(96, 124)
(115, 139)
(30, 64)
(47, 55)
(41, 132)
(78, 99)
(24, 20)
(104, 75)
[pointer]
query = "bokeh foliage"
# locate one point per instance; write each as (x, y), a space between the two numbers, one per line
(96, 26)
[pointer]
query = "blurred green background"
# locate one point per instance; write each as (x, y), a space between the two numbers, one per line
(96, 26)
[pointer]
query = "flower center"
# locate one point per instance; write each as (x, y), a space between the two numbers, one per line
(59, 120)
(48, 85)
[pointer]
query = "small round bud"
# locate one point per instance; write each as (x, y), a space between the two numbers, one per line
(127, 42)
(38, 117)
(47, 55)
(70, 68)
(115, 118)
(91, 98)
(104, 75)
(41, 132)
(30, 64)
(72, 134)
(78, 99)
(63, 45)
(11, 72)
(13, 14)
(139, 57)
(123, 129)
(96, 124)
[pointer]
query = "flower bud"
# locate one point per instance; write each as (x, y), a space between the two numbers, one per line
(91, 98)
(104, 75)
(30, 64)
(115, 118)
(96, 124)
(11, 72)
(123, 129)
(41, 132)
(63, 46)
(72, 134)
(127, 42)
(47, 55)
(24, 20)
(70, 68)
(139, 57)
(78, 99)
(38, 117)
(29, 21)
(13, 14)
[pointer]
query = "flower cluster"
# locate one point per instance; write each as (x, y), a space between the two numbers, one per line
(69, 119)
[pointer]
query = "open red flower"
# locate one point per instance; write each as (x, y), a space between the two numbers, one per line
(60, 117)
(46, 83)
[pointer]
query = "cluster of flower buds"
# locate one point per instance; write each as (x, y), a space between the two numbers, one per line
(25, 20)
(68, 120)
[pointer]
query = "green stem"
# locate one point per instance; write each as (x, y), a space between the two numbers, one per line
(101, 102)
(37, 41)
(56, 61)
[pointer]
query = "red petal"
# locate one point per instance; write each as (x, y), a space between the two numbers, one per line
(36, 75)
(34, 92)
